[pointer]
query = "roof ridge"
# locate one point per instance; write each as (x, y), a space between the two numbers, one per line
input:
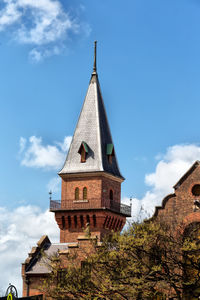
(186, 174)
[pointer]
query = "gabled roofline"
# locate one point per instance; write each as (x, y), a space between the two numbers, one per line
(162, 206)
(181, 180)
(185, 176)
(36, 252)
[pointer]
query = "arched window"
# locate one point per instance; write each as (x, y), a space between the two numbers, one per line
(77, 193)
(63, 222)
(84, 193)
(111, 194)
(196, 190)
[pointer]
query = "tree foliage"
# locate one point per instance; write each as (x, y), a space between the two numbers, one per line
(144, 262)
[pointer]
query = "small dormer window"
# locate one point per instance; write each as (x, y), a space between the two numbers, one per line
(83, 151)
(110, 152)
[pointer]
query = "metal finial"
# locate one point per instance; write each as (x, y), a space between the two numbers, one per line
(131, 198)
(50, 193)
(95, 57)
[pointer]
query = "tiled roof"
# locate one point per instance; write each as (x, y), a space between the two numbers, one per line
(40, 263)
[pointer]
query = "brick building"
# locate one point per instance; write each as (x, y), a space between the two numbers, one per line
(181, 211)
(91, 190)
(182, 208)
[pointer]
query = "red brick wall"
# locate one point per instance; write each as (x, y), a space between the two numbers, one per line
(106, 221)
(83, 248)
(34, 283)
(93, 184)
(109, 184)
(178, 208)
(97, 204)
(98, 194)
(98, 190)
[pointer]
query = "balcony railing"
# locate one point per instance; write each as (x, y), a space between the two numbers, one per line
(112, 205)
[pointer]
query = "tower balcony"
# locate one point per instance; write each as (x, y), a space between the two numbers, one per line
(58, 205)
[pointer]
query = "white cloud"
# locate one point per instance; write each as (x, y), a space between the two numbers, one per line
(20, 229)
(38, 23)
(37, 155)
(66, 143)
(38, 55)
(9, 14)
(172, 165)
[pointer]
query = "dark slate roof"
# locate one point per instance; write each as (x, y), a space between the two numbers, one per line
(93, 129)
(40, 263)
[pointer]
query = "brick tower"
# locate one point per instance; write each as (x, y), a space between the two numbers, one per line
(91, 179)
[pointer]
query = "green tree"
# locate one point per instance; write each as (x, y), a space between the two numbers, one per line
(144, 262)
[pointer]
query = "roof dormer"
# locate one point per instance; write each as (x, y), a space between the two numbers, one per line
(110, 152)
(83, 151)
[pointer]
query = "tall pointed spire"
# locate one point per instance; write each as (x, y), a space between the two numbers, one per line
(92, 148)
(95, 58)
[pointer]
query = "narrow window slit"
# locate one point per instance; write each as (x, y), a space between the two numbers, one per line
(88, 219)
(69, 221)
(63, 222)
(75, 221)
(94, 221)
(82, 221)
(84, 193)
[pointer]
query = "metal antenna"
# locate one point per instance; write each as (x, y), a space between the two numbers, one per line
(95, 58)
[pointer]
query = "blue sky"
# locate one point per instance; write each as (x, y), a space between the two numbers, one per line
(149, 70)
(148, 64)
